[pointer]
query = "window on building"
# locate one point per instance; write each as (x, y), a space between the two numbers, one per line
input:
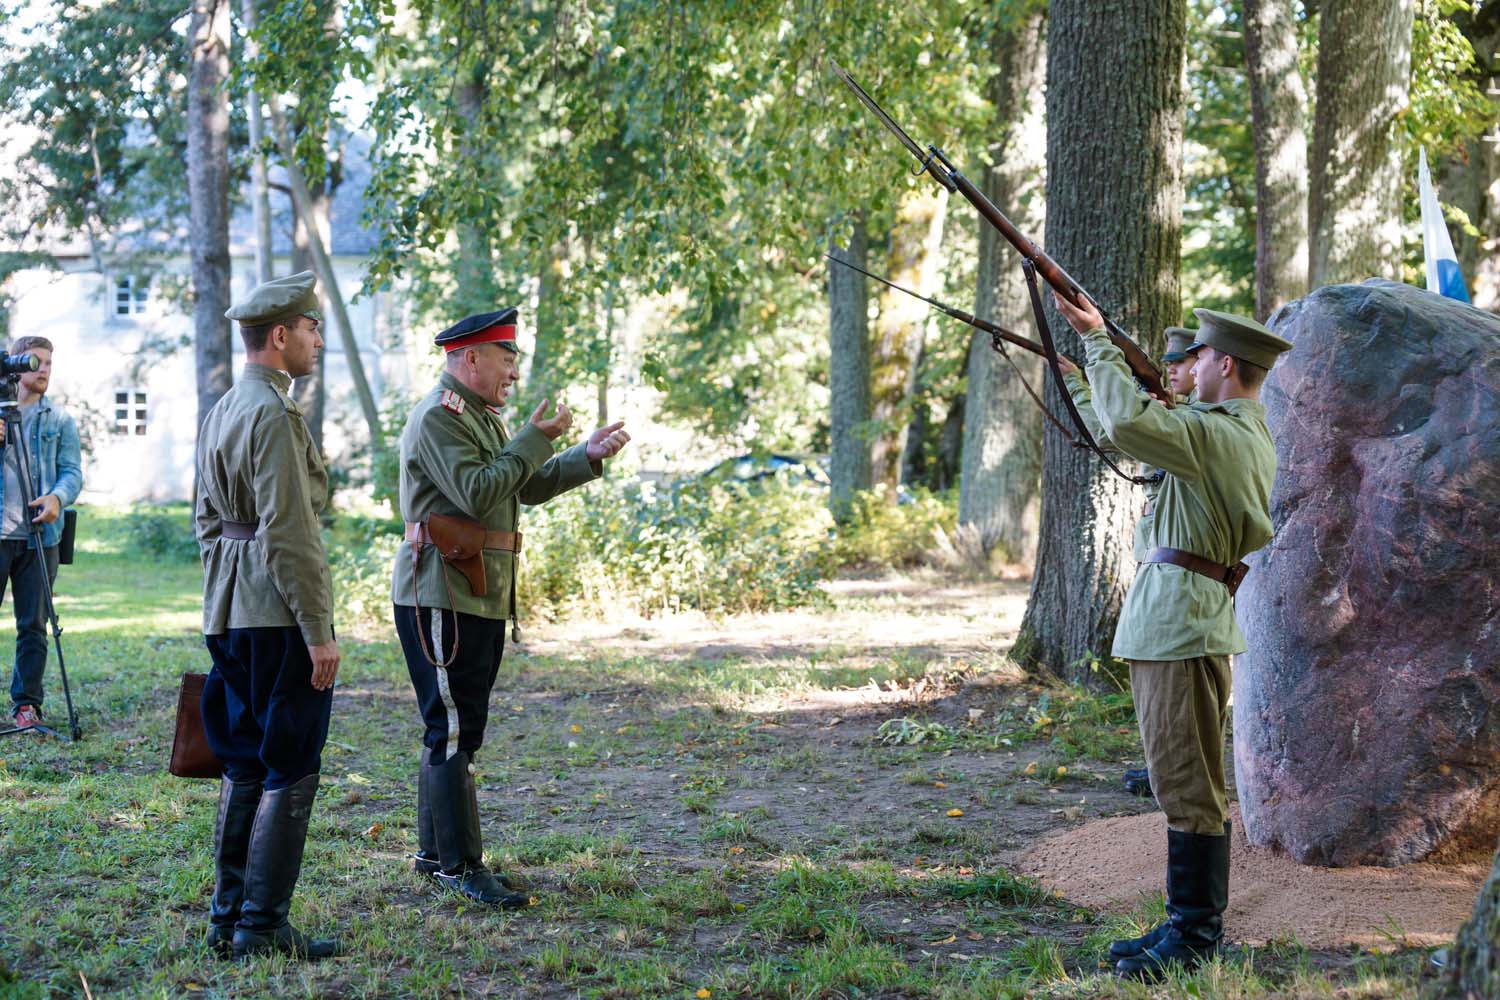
(131, 294)
(130, 411)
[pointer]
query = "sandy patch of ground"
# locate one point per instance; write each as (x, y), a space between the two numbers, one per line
(1109, 863)
(921, 614)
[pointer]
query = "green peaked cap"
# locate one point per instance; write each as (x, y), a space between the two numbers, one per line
(1239, 337)
(1179, 339)
(277, 300)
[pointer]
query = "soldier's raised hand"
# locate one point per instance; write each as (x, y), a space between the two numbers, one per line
(555, 426)
(606, 442)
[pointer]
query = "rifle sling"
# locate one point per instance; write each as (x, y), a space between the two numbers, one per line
(1045, 332)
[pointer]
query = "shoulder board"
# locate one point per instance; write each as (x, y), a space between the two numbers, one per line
(287, 401)
(451, 400)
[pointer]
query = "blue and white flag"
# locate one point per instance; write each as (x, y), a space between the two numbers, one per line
(1443, 275)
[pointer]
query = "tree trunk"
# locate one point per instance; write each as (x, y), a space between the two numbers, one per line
(1473, 182)
(849, 371)
(303, 200)
(1278, 102)
(950, 444)
(1114, 210)
(208, 196)
(474, 267)
(914, 261)
(260, 187)
(1000, 480)
(544, 380)
(1364, 71)
(1473, 969)
(914, 451)
(310, 391)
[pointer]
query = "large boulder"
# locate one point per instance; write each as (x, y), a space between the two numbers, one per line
(1366, 728)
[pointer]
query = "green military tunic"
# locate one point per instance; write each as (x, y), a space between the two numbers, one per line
(1083, 399)
(457, 459)
(1214, 501)
(257, 463)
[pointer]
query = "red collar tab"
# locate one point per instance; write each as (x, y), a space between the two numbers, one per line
(500, 333)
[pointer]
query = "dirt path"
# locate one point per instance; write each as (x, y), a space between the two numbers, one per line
(869, 617)
(1068, 833)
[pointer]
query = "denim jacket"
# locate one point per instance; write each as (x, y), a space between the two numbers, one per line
(56, 463)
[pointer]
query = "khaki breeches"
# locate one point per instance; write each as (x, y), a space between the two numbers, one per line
(1183, 708)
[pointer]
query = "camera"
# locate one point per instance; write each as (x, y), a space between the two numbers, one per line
(18, 364)
(12, 367)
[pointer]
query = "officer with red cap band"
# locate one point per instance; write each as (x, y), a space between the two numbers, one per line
(463, 480)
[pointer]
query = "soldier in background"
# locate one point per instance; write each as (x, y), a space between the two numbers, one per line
(1177, 625)
(267, 621)
(463, 480)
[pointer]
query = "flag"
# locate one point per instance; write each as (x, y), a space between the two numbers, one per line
(1443, 275)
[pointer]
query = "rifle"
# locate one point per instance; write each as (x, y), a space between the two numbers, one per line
(995, 332)
(936, 163)
(999, 337)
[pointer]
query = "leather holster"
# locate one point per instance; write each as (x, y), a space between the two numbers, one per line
(461, 544)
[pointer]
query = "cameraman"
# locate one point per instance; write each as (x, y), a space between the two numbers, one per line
(56, 480)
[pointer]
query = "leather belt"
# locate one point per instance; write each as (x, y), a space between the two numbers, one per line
(504, 541)
(1230, 576)
(241, 530)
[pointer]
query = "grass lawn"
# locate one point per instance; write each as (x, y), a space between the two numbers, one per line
(790, 816)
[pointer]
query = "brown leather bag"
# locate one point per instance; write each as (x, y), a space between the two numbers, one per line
(461, 544)
(192, 757)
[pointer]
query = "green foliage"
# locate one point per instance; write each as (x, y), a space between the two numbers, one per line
(883, 533)
(1218, 257)
(361, 558)
(164, 533)
(98, 93)
(650, 549)
(1449, 105)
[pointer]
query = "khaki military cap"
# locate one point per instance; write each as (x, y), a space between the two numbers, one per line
(1239, 337)
(1179, 339)
(278, 300)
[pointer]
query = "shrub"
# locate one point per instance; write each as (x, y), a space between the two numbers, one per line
(894, 534)
(651, 548)
(162, 534)
(361, 552)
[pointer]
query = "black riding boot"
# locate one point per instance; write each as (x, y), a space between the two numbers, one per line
(454, 803)
(425, 861)
(271, 871)
(1197, 893)
(237, 804)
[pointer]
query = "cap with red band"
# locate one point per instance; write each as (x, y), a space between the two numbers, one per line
(482, 328)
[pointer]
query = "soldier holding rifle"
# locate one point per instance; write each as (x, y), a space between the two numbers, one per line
(1177, 626)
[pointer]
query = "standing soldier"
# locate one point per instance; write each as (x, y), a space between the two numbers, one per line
(267, 620)
(463, 479)
(1177, 625)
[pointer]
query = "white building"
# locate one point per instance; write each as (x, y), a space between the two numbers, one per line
(123, 362)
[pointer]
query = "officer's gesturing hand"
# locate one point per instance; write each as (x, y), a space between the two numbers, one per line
(606, 442)
(325, 661)
(554, 427)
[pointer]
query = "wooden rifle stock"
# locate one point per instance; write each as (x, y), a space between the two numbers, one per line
(1053, 274)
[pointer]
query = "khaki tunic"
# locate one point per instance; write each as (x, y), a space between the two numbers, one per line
(1214, 501)
(257, 462)
(1083, 399)
(457, 459)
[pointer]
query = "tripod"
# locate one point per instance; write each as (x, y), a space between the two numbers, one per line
(15, 438)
